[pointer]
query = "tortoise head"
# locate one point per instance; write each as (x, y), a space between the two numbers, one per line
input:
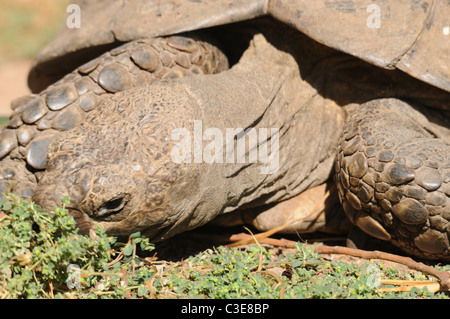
(116, 170)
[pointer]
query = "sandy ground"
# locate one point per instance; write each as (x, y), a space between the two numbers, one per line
(13, 83)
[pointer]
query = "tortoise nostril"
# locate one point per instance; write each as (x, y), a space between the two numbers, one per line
(79, 186)
(79, 190)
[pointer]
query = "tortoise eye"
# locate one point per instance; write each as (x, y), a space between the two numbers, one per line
(112, 206)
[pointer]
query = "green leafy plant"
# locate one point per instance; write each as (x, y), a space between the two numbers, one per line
(37, 248)
(42, 255)
(256, 272)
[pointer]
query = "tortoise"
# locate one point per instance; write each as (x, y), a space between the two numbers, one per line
(160, 116)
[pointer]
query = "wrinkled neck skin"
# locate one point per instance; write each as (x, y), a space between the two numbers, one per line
(128, 168)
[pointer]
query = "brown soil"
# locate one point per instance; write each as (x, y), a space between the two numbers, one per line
(13, 83)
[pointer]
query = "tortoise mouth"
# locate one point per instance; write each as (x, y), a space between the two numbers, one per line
(83, 221)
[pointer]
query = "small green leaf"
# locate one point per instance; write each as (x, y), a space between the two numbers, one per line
(128, 250)
(136, 235)
(7, 206)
